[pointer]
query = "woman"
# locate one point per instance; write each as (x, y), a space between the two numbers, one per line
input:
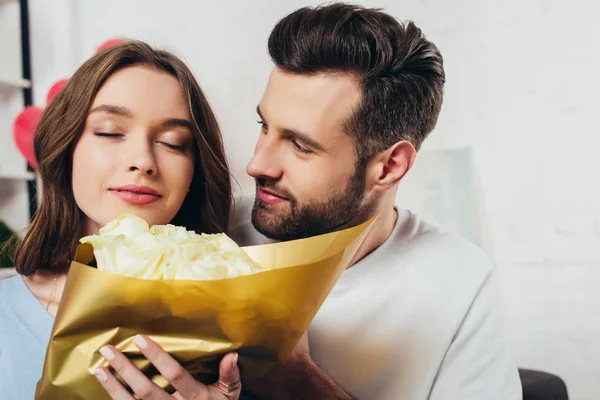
(131, 132)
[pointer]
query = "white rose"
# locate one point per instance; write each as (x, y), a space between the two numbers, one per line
(127, 246)
(124, 224)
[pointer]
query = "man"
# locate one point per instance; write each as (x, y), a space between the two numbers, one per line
(417, 316)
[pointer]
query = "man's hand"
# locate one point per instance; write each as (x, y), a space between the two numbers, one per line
(298, 378)
(227, 388)
(301, 353)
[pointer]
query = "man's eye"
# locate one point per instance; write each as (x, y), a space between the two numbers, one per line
(301, 148)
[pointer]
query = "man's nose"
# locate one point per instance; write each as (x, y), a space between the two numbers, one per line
(266, 162)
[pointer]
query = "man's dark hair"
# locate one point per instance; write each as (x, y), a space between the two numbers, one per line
(401, 73)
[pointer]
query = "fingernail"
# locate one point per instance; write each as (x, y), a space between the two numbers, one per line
(140, 341)
(101, 375)
(234, 361)
(107, 353)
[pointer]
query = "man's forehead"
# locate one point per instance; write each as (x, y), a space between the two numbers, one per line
(315, 103)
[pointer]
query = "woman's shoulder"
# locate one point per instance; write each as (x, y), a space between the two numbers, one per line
(10, 285)
(12, 292)
(19, 308)
(6, 273)
(22, 347)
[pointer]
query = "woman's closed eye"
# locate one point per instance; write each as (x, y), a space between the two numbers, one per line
(263, 125)
(173, 146)
(112, 135)
(108, 134)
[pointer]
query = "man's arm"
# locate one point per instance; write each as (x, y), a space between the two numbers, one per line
(297, 379)
(478, 363)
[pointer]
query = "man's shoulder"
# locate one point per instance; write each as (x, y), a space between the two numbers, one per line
(451, 269)
(432, 250)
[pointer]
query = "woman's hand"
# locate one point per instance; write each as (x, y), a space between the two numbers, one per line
(227, 388)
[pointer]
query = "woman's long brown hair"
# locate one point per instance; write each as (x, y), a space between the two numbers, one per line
(58, 223)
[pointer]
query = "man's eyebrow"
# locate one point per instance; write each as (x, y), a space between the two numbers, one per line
(305, 139)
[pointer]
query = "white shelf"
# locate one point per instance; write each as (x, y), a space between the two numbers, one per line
(14, 83)
(24, 176)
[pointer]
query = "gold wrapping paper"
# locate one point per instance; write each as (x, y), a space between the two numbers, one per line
(261, 316)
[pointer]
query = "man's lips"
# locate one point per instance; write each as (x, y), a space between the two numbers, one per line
(269, 197)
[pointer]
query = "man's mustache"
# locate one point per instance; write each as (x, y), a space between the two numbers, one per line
(272, 187)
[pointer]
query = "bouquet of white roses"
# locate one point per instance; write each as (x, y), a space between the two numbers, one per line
(199, 296)
(128, 247)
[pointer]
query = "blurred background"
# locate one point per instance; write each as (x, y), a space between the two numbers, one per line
(512, 164)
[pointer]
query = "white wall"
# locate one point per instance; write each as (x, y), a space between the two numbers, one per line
(521, 93)
(538, 161)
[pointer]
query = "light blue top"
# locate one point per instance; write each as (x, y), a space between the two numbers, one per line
(25, 328)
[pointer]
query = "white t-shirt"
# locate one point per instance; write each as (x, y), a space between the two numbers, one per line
(419, 318)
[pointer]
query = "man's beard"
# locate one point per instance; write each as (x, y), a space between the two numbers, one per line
(340, 210)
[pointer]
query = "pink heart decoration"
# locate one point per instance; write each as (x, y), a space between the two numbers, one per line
(109, 43)
(55, 89)
(26, 122)
(23, 131)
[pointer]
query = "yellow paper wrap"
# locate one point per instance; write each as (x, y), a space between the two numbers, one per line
(261, 316)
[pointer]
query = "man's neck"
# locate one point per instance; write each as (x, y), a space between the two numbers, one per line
(380, 232)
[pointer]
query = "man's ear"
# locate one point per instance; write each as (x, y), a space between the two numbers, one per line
(391, 165)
